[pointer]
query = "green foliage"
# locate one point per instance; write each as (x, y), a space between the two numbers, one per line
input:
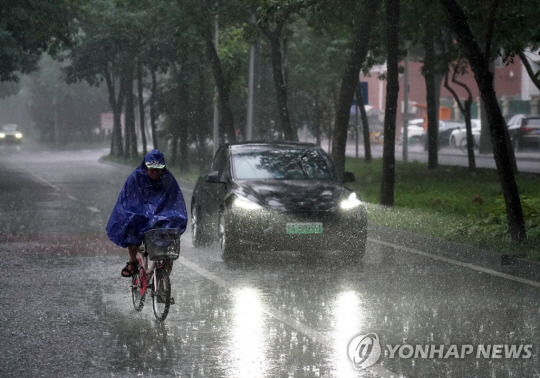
(29, 28)
(233, 50)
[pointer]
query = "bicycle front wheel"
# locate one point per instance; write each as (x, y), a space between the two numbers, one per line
(138, 290)
(161, 295)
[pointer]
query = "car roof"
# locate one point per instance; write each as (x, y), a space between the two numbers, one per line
(274, 144)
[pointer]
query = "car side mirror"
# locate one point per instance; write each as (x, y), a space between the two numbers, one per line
(348, 177)
(213, 177)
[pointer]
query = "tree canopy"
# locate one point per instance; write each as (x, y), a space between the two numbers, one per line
(187, 55)
(29, 28)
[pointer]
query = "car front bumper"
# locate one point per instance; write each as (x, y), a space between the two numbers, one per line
(272, 230)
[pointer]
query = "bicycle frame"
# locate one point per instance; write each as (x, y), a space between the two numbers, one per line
(147, 270)
(153, 274)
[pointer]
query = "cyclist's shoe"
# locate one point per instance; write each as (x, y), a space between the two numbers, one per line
(129, 269)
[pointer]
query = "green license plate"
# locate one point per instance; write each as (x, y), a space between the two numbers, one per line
(304, 228)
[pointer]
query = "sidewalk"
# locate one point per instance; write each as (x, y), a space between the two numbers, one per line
(527, 161)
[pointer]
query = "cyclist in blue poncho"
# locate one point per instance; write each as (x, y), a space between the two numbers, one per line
(150, 198)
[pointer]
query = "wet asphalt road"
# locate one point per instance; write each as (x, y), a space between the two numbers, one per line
(65, 310)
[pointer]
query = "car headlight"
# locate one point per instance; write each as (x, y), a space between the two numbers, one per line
(245, 204)
(2, 135)
(18, 136)
(350, 203)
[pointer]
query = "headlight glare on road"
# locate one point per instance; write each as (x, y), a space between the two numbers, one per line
(245, 204)
(351, 202)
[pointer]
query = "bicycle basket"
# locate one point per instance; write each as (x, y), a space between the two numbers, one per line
(162, 243)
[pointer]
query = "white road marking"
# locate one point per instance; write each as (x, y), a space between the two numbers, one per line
(93, 209)
(42, 179)
(73, 198)
(303, 328)
(458, 263)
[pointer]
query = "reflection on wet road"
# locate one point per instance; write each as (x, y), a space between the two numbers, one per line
(66, 311)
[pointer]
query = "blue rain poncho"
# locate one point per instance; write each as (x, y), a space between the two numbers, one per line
(144, 204)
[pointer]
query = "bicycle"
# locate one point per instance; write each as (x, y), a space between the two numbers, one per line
(160, 246)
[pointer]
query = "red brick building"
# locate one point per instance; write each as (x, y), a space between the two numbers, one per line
(511, 82)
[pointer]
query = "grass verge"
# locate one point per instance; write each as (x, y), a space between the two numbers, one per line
(451, 203)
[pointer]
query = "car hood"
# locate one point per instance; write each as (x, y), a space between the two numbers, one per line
(293, 195)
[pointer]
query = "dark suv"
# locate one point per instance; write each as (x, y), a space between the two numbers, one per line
(524, 130)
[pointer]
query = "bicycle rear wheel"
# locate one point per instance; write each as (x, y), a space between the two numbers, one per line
(138, 290)
(161, 295)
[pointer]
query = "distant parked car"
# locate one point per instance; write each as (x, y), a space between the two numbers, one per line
(10, 134)
(415, 130)
(524, 130)
(445, 129)
(458, 137)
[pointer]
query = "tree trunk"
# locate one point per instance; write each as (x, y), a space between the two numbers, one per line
(317, 122)
(533, 75)
(129, 120)
(173, 157)
(153, 111)
(280, 83)
(117, 148)
(141, 105)
(392, 91)
(365, 125)
(432, 142)
(197, 128)
(470, 137)
(465, 108)
(359, 50)
(183, 124)
(227, 119)
(499, 134)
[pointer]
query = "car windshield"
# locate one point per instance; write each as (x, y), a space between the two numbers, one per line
(450, 125)
(9, 128)
(281, 164)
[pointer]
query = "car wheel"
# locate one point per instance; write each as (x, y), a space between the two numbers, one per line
(463, 145)
(229, 249)
(198, 231)
(415, 139)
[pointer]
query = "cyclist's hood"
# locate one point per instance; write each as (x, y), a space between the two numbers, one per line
(154, 159)
(144, 204)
